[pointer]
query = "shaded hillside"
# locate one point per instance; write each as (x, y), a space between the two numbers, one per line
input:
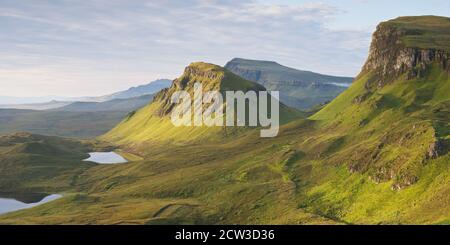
(36, 163)
(300, 89)
(59, 123)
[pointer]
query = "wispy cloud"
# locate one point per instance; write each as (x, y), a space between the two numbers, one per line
(104, 45)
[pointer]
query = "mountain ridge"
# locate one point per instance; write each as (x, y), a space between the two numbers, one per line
(127, 104)
(298, 88)
(137, 91)
(54, 102)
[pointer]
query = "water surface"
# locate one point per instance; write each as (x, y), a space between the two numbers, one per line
(8, 203)
(105, 158)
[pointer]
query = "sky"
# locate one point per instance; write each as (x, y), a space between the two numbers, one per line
(96, 47)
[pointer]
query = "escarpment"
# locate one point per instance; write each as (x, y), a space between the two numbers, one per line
(194, 73)
(395, 115)
(392, 53)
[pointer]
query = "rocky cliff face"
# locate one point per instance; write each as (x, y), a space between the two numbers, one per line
(250, 74)
(208, 75)
(389, 57)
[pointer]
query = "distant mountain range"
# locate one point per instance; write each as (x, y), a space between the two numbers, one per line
(11, 100)
(149, 88)
(299, 89)
(53, 102)
(125, 104)
(80, 119)
(37, 106)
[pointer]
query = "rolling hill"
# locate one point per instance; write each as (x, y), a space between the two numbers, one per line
(29, 161)
(299, 89)
(376, 154)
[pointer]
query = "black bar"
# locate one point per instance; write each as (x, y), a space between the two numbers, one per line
(319, 233)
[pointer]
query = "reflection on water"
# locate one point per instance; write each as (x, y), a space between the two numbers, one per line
(105, 158)
(346, 85)
(15, 201)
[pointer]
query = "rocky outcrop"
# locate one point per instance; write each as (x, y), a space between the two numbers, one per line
(208, 75)
(436, 149)
(193, 70)
(405, 182)
(211, 77)
(389, 57)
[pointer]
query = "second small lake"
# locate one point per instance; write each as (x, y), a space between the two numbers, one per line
(10, 203)
(105, 158)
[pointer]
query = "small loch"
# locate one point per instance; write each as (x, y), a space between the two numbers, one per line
(10, 203)
(105, 158)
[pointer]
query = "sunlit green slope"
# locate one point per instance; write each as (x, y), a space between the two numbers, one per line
(152, 123)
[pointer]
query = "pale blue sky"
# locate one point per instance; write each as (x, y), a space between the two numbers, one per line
(76, 48)
(363, 14)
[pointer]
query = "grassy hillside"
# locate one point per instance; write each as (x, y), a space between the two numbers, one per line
(426, 33)
(299, 89)
(303, 176)
(42, 164)
(277, 181)
(185, 184)
(152, 123)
